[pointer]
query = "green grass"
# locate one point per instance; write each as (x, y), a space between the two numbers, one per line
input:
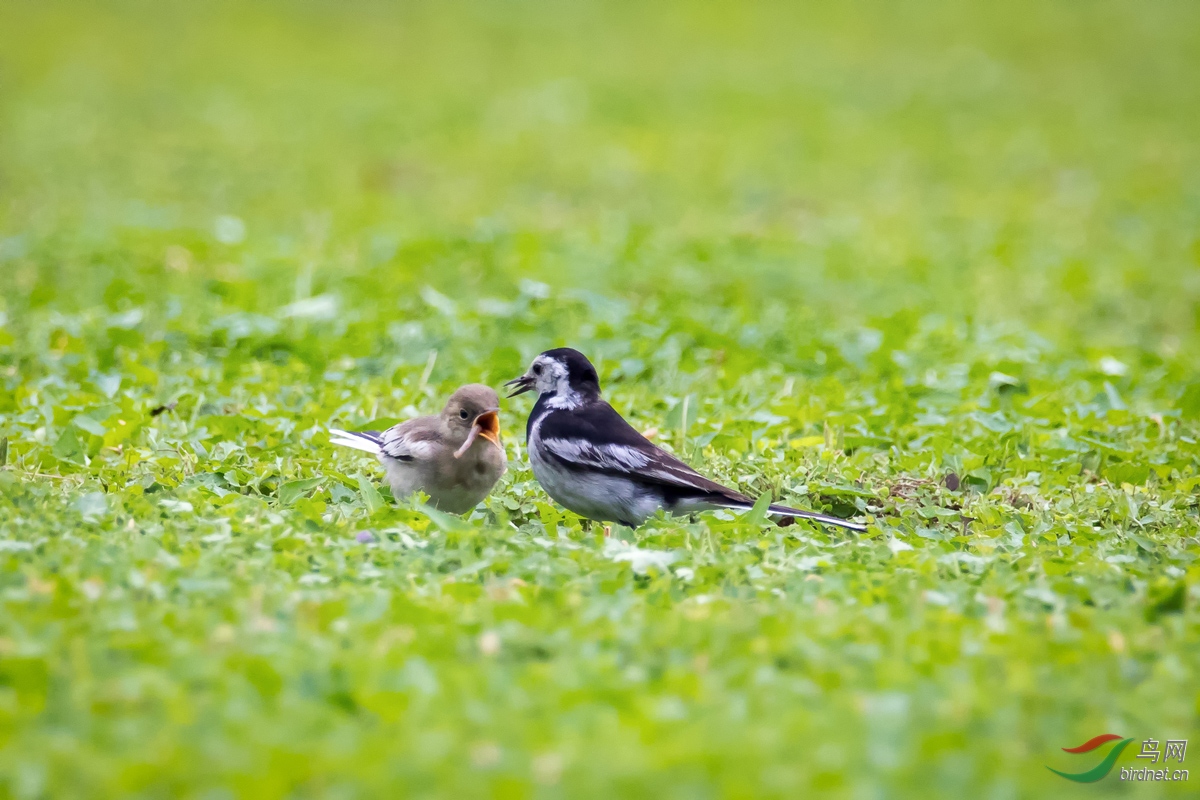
(935, 263)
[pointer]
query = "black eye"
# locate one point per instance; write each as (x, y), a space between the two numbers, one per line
(463, 414)
(537, 369)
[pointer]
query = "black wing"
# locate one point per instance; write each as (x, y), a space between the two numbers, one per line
(596, 437)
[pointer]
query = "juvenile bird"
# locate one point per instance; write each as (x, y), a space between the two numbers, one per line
(589, 459)
(455, 458)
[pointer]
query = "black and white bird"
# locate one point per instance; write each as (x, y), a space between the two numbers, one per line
(589, 459)
(455, 458)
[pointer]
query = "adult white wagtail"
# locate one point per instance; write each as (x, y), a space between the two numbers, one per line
(455, 458)
(589, 459)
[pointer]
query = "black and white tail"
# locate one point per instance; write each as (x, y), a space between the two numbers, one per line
(824, 519)
(367, 441)
(785, 511)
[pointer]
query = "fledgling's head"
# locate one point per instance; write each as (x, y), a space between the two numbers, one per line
(473, 411)
(562, 372)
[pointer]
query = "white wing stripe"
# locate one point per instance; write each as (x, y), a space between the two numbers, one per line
(605, 456)
(676, 476)
(623, 458)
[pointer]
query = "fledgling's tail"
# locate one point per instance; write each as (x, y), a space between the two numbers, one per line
(367, 441)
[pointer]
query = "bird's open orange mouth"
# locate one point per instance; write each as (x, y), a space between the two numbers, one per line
(486, 425)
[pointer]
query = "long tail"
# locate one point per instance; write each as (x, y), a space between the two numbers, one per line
(824, 519)
(367, 441)
(784, 511)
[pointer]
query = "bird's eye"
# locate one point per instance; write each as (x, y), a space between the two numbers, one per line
(537, 369)
(463, 414)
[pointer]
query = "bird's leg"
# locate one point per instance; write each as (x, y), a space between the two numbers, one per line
(607, 531)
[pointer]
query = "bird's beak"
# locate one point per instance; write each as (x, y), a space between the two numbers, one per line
(486, 425)
(524, 384)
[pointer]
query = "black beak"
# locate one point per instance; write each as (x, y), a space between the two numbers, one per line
(524, 384)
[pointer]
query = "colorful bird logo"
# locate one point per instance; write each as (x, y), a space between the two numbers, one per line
(1104, 767)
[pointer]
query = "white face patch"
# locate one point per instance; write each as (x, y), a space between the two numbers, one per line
(550, 377)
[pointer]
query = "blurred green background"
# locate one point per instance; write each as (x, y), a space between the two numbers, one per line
(934, 262)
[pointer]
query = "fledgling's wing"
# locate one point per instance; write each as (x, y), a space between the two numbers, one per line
(417, 439)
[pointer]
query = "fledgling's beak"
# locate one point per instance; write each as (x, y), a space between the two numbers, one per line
(524, 384)
(486, 425)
